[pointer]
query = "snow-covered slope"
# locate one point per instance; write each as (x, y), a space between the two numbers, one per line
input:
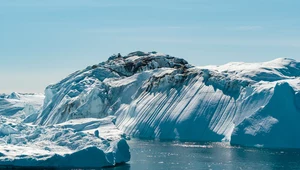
(160, 96)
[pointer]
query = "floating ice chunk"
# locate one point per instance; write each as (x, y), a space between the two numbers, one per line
(69, 145)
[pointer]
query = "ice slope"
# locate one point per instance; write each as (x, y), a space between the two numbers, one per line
(80, 143)
(212, 103)
(95, 91)
(159, 96)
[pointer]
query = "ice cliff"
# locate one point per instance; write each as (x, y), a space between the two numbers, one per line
(154, 95)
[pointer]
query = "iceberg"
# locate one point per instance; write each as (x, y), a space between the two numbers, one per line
(153, 95)
(71, 144)
(36, 146)
(83, 121)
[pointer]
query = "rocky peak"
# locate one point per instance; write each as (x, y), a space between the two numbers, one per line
(140, 61)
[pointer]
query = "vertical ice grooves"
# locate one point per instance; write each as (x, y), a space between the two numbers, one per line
(158, 113)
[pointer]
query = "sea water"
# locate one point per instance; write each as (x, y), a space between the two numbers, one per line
(158, 155)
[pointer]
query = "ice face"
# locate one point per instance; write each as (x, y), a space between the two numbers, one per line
(154, 95)
(92, 92)
(246, 104)
(274, 125)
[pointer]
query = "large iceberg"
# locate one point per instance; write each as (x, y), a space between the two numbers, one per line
(153, 95)
(79, 143)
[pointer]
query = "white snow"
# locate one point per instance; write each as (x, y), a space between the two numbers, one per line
(104, 127)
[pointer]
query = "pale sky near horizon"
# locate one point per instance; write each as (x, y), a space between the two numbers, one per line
(41, 42)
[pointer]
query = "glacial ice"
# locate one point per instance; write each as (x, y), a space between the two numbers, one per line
(20, 103)
(71, 144)
(154, 95)
(82, 119)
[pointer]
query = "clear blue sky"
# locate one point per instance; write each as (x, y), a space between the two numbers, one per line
(42, 41)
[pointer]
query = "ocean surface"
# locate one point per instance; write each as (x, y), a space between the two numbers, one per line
(157, 155)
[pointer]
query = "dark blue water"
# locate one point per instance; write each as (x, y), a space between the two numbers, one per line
(155, 155)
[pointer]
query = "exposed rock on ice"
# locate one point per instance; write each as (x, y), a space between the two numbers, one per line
(92, 92)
